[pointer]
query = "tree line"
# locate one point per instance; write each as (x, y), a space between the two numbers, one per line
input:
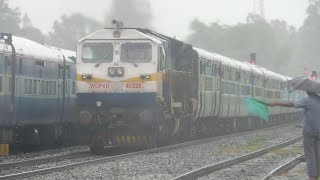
(67, 30)
(279, 46)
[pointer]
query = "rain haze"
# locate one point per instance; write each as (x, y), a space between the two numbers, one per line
(171, 17)
(159, 89)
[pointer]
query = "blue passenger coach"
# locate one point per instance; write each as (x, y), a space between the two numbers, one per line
(38, 106)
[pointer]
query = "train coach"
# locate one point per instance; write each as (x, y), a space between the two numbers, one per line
(136, 86)
(37, 91)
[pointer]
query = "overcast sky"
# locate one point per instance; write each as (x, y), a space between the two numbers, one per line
(171, 17)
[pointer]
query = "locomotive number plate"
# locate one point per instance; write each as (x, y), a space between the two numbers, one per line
(4, 149)
(134, 85)
(99, 85)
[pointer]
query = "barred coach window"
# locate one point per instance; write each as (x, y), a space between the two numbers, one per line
(97, 52)
(136, 52)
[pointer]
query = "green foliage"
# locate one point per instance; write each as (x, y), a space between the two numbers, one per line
(10, 22)
(30, 32)
(273, 42)
(307, 51)
(67, 31)
(9, 18)
(133, 13)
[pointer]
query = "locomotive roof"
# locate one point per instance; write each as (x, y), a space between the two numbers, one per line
(125, 33)
(26, 47)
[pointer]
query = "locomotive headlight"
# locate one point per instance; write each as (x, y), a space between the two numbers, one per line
(99, 103)
(145, 76)
(86, 76)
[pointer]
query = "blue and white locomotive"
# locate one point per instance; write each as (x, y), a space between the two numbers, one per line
(37, 91)
(136, 86)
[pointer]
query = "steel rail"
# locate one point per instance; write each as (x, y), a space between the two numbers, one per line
(118, 157)
(285, 167)
(44, 160)
(225, 164)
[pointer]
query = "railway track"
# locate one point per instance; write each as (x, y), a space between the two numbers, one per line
(285, 167)
(228, 163)
(44, 160)
(100, 159)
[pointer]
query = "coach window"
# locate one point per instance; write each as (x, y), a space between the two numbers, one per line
(204, 65)
(97, 52)
(42, 88)
(54, 88)
(208, 69)
(238, 76)
(34, 87)
(46, 86)
(225, 73)
(50, 88)
(25, 86)
(1, 84)
(30, 86)
(201, 69)
(231, 76)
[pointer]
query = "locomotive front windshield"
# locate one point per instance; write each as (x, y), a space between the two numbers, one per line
(97, 52)
(137, 52)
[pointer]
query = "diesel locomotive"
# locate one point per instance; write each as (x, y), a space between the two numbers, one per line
(139, 87)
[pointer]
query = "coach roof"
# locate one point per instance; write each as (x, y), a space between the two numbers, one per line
(26, 47)
(107, 34)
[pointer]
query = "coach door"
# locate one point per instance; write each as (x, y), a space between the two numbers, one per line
(6, 90)
(68, 84)
(61, 92)
(218, 92)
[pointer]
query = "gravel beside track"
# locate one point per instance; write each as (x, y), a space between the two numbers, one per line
(259, 167)
(171, 163)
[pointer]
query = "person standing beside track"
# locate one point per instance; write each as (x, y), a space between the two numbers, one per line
(311, 131)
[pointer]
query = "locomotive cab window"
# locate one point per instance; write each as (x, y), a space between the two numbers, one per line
(136, 52)
(97, 52)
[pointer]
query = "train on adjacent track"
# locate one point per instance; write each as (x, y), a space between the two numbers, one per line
(37, 91)
(138, 87)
